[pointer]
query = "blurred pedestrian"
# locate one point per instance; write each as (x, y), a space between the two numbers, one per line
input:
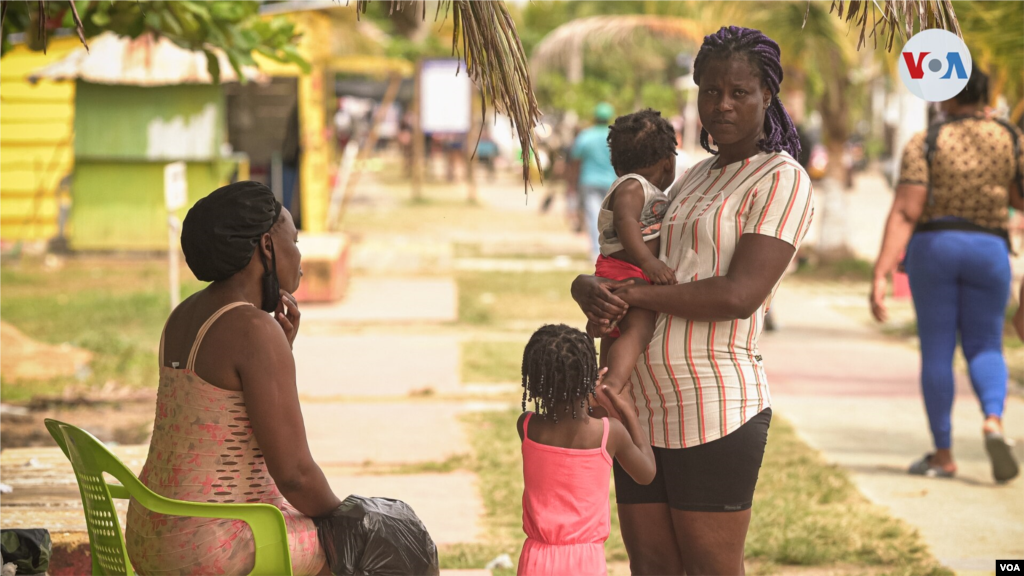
(950, 214)
(486, 152)
(591, 172)
(291, 152)
(683, 160)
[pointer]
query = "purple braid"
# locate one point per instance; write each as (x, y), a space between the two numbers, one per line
(779, 131)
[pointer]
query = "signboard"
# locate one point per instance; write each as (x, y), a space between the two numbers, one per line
(175, 186)
(446, 98)
(175, 197)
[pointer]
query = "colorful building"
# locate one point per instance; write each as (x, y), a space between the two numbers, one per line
(36, 142)
(93, 130)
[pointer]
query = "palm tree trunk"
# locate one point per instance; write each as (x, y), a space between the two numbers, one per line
(796, 95)
(834, 240)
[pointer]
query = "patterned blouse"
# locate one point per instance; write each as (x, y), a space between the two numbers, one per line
(699, 381)
(971, 171)
(204, 450)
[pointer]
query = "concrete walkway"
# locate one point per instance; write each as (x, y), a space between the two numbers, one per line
(854, 395)
(377, 383)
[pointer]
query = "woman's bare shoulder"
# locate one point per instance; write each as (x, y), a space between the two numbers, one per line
(253, 324)
(246, 331)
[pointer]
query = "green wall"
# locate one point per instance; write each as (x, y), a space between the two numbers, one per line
(116, 121)
(124, 136)
(120, 206)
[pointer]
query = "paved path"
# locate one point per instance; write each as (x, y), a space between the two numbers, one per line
(376, 364)
(854, 395)
(373, 300)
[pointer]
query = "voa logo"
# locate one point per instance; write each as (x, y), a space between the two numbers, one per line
(935, 65)
(1008, 566)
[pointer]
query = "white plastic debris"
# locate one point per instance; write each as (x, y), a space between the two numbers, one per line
(33, 463)
(6, 488)
(500, 562)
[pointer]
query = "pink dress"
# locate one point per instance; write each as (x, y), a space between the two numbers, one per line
(566, 514)
(203, 450)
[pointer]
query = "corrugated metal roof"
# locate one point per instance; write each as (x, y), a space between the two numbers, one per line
(144, 61)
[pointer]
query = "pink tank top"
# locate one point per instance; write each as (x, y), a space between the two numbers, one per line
(565, 498)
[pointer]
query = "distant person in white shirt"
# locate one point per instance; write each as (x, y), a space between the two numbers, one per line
(683, 160)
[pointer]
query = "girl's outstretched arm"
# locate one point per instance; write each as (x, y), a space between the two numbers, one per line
(627, 442)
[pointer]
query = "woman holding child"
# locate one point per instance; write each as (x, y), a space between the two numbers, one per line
(687, 357)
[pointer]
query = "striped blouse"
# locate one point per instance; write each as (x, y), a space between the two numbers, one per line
(699, 381)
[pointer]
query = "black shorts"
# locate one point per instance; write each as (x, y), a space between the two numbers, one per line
(715, 477)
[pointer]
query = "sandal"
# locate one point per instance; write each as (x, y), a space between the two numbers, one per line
(923, 467)
(1000, 452)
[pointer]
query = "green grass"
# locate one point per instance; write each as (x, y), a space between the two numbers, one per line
(806, 512)
(848, 269)
(809, 513)
(450, 464)
(114, 308)
(442, 212)
(471, 556)
(495, 298)
(492, 361)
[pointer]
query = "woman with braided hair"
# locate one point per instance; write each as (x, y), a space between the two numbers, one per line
(567, 454)
(699, 389)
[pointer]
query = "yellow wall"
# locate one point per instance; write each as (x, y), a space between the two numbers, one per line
(36, 141)
(314, 164)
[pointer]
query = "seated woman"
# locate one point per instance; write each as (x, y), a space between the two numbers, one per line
(228, 426)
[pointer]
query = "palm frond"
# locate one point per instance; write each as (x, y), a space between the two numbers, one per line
(561, 43)
(892, 18)
(486, 37)
(992, 30)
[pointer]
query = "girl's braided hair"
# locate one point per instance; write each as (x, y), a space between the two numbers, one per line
(639, 140)
(763, 52)
(559, 367)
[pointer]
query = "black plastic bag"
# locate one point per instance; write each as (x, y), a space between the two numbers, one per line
(378, 537)
(28, 549)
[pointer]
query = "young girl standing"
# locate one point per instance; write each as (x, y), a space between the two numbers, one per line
(567, 454)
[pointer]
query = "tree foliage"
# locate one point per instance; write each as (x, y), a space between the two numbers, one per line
(234, 27)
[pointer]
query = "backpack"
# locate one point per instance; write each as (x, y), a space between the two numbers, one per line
(931, 147)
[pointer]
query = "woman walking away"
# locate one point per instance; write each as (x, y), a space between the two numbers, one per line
(732, 226)
(228, 427)
(567, 455)
(957, 182)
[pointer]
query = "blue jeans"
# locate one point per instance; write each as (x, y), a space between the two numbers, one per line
(591, 197)
(960, 283)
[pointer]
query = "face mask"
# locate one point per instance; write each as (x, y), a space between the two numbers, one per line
(271, 286)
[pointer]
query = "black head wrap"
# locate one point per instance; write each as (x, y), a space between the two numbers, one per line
(222, 230)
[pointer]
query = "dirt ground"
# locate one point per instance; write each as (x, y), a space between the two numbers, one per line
(122, 422)
(27, 359)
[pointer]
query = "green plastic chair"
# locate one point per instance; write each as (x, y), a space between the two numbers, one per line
(91, 459)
